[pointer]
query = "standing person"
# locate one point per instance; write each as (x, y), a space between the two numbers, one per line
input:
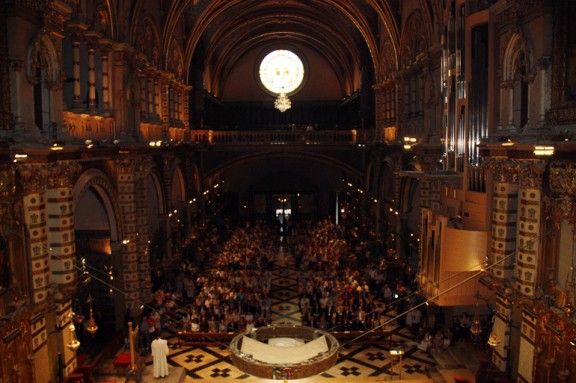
(159, 352)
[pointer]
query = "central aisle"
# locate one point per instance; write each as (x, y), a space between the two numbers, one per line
(284, 290)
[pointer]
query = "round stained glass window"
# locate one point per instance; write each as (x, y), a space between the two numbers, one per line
(281, 71)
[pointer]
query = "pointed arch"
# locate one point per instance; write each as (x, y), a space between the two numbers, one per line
(516, 54)
(147, 40)
(414, 38)
(101, 184)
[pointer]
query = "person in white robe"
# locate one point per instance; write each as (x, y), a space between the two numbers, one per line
(159, 352)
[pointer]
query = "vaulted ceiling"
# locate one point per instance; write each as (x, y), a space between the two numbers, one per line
(347, 34)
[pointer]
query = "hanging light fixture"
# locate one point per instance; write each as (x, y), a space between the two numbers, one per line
(476, 328)
(493, 340)
(73, 344)
(92, 326)
(282, 103)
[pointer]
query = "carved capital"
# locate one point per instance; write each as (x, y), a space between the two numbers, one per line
(559, 210)
(63, 174)
(7, 193)
(125, 165)
(530, 174)
(33, 178)
(562, 178)
(502, 170)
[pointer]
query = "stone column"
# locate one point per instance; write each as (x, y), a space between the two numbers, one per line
(186, 117)
(105, 80)
(16, 73)
(543, 65)
(144, 111)
(33, 180)
(76, 99)
(127, 203)
(157, 98)
(142, 171)
(504, 215)
(91, 78)
(177, 111)
(168, 172)
(150, 96)
(529, 222)
(165, 111)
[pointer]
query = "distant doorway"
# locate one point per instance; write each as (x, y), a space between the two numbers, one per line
(283, 213)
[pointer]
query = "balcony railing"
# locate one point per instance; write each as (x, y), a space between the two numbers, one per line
(267, 137)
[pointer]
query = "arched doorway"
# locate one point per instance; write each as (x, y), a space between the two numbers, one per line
(177, 217)
(156, 221)
(96, 238)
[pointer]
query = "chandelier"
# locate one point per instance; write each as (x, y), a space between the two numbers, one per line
(282, 103)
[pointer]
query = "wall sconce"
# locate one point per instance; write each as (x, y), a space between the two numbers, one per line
(508, 142)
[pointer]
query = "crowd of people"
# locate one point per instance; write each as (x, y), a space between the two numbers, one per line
(224, 285)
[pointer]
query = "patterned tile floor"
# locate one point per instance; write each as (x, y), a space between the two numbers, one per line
(356, 363)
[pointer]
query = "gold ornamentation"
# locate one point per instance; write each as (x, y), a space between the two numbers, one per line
(530, 174)
(502, 170)
(33, 178)
(63, 174)
(562, 178)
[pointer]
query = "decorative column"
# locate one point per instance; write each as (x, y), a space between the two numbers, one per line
(5, 101)
(186, 117)
(543, 65)
(165, 111)
(126, 200)
(16, 73)
(60, 223)
(105, 51)
(91, 78)
(150, 97)
(144, 111)
(142, 171)
(529, 222)
(168, 172)
(504, 216)
(157, 95)
(77, 103)
(501, 329)
(34, 180)
(177, 111)
(170, 96)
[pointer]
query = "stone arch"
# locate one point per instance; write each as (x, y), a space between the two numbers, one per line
(178, 186)
(155, 200)
(516, 51)
(42, 54)
(386, 180)
(101, 184)
(414, 38)
(196, 177)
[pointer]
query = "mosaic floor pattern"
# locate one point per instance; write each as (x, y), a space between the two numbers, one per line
(356, 362)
